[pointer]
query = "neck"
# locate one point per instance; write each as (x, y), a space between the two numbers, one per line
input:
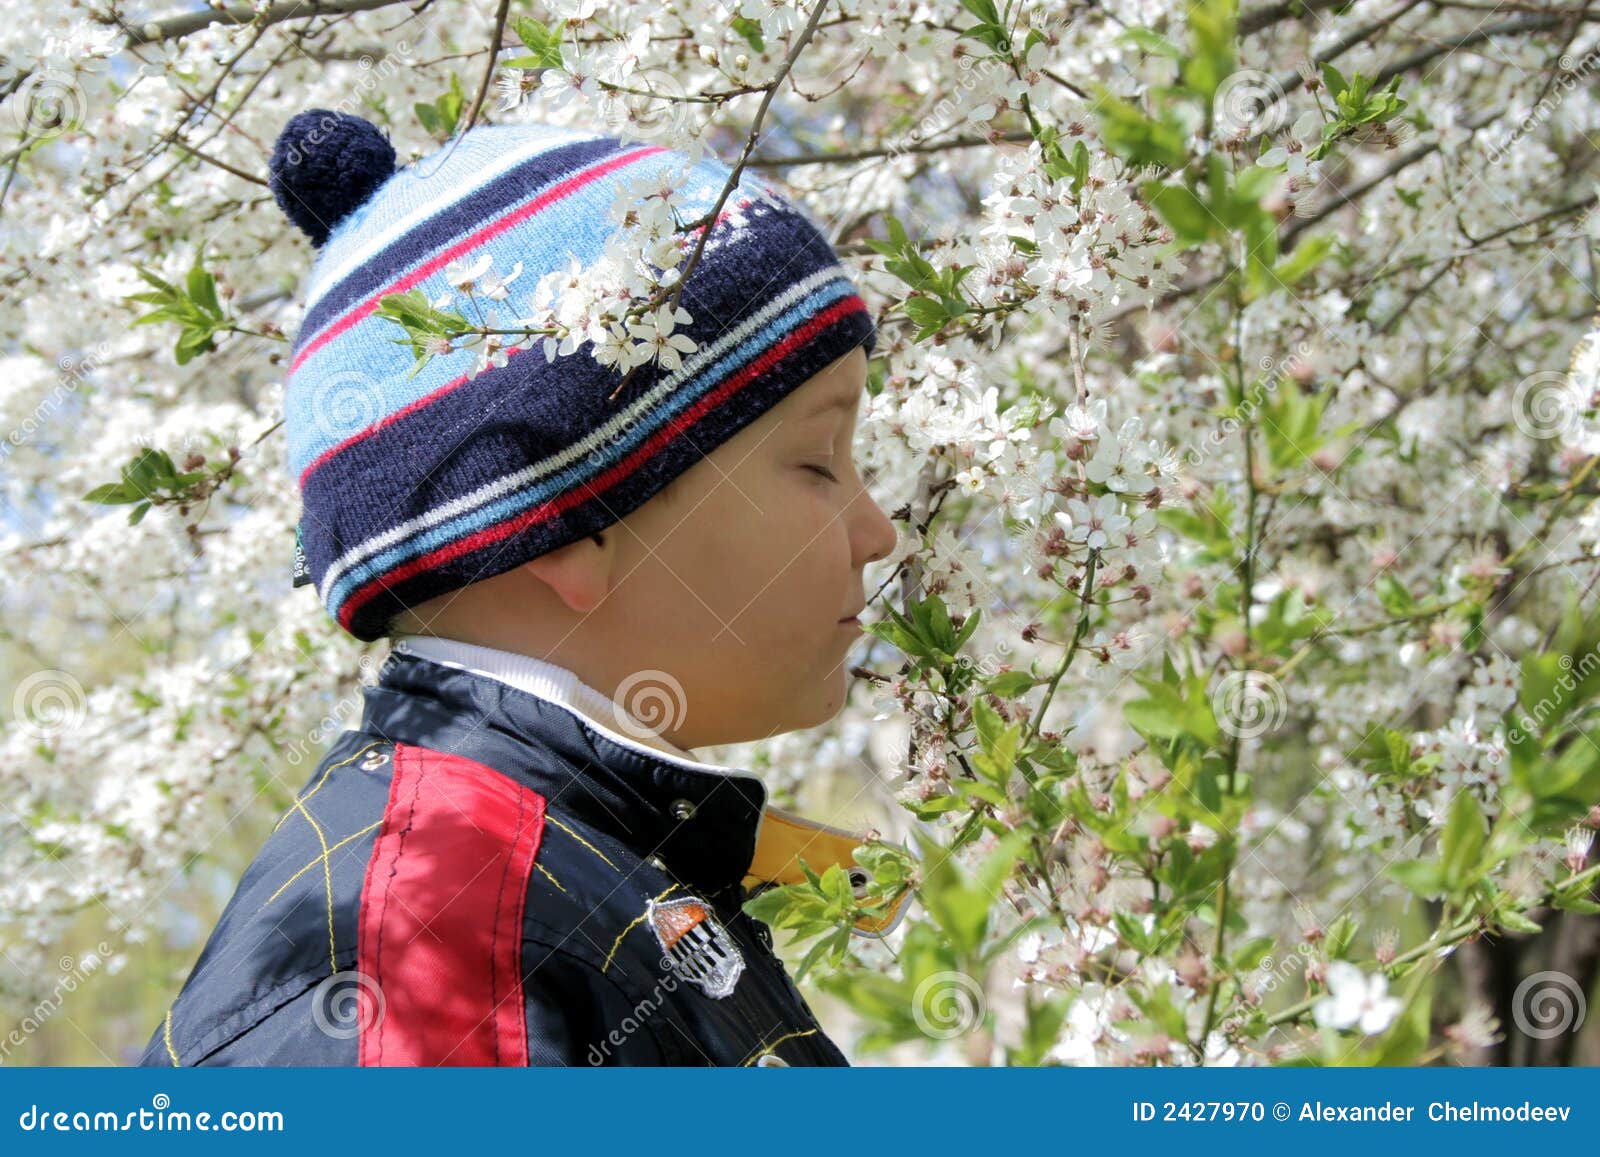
(546, 680)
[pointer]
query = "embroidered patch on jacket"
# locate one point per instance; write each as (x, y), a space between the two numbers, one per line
(694, 945)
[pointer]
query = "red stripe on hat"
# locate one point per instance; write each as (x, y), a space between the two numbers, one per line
(555, 193)
(441, 915)
(600, 484)
(426, 400)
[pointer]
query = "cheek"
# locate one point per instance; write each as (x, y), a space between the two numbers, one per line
(812, 551)
(755, 552)
(775, 564)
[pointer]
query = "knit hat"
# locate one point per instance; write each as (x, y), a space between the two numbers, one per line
(414, 486)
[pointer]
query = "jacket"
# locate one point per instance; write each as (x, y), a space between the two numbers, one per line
(480, 875)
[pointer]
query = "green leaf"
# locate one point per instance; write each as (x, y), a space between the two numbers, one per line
(990, 32)
(1575, 902)
(1306, 257)
(1564, 786)
(999, 741)
(441, 117)
(544, 43)
(1079, 170)
(1010, 684)
(929, 314)
(1290, 425)
(1041, 1028)
(1461, 845)
(750, 30)
(1152, 42)
(984, 10)
(1157, 1005)
(1174, 712)
(1211, 45)
(1514, 921)
(1131, 134)
(1394, 596)
(196, 309)
(112, 493)
(1424, 877)
(958, 905)
(1191, 220)
(1333, 80)
(1411, 1032)
(1210, 524)
(1339, 936)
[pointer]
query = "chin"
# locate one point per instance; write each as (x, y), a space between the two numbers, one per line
(811, 704)
(831, 696)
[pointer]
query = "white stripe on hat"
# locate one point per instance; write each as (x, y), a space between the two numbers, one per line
(692, 365)
(326, 276)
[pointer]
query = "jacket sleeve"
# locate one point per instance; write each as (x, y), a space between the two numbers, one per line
(579, 1015)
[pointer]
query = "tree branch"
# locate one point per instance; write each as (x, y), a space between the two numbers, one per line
(188, 23)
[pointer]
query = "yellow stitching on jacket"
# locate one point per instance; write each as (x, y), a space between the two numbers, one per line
(326, 773)
(637, 920)
(317, 861)
(581, 840)
(166, 1035)
(327, 882)
(755, 1056)
(547, 874)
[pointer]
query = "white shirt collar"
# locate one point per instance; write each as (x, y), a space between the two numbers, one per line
(555, 684)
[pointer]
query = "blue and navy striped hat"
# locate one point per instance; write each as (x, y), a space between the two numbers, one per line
(414, 486)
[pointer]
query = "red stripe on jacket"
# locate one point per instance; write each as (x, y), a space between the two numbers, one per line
(441, 914)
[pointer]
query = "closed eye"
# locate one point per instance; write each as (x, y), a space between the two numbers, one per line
(822, 470)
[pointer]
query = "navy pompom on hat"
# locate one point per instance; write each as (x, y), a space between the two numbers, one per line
(416, 485)
(324, 165)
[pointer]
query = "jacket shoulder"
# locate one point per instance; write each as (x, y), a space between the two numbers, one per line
(392, 918)
(291, 922)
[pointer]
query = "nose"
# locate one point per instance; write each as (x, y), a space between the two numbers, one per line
(872, 533)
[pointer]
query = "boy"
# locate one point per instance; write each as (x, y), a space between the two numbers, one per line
(515, 859)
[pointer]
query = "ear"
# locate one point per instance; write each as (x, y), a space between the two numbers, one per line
(579, 573)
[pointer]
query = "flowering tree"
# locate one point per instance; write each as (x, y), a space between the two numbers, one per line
(1236, 678)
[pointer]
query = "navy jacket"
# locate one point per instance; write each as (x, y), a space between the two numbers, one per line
(481, 876)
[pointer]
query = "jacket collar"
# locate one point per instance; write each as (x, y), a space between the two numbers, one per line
(710, 825)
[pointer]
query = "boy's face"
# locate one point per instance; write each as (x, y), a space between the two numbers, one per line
(741, 584)
(718, 611)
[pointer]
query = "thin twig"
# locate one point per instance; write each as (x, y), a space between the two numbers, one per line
(488, 73)
(710, 219)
